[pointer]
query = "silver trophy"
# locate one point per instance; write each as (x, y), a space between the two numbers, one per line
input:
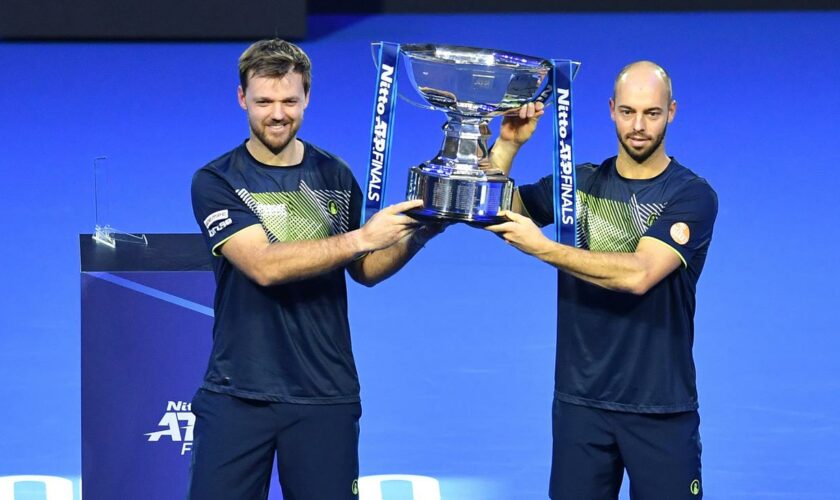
(471, 86)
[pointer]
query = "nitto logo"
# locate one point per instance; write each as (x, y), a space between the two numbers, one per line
(566, 168)
(380, 132)
(177, 413)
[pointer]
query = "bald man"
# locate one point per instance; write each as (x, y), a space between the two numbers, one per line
(625, 392)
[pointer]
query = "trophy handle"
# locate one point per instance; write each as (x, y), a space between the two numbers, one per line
(374, 52)
(544, 96)
(415, 103)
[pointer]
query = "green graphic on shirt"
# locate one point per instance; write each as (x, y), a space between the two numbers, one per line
(291, 216)
(305, 214)
(614, 226)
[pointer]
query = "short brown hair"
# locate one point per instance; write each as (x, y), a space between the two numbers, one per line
(274, 58)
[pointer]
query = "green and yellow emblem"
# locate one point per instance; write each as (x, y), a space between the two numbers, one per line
(695, 487)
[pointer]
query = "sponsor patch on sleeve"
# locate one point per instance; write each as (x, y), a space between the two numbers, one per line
(218, 227)
(215, 216)
(680, 233)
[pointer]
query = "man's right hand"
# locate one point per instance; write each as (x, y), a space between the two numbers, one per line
(388, 226)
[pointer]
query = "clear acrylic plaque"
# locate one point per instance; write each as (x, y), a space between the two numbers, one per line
(104, 233)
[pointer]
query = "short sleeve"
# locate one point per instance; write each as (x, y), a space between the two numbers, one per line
(218, 210)
(538, 199)
(687, 221)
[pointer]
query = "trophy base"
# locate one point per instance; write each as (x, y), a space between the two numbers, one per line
(426, 216)
(459, 198)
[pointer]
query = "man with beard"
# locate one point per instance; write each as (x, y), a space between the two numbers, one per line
(281, 218)
(625, 391)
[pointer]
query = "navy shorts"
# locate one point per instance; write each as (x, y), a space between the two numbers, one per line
(236, 440)
(593, 447)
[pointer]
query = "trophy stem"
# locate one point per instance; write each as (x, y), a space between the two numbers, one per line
(465, 145)
(456, 185)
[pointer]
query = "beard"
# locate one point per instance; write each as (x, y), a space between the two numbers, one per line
(640, 155)
(275, 143)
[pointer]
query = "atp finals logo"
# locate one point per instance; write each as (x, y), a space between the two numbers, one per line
(176, 418)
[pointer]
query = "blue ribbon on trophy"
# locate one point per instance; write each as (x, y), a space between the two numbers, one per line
(564, 180)
(471, 86)
(384, 110)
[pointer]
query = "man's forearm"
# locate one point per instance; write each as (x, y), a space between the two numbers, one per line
(502, 154)
(284, 262)
(617, 271)
(276, 263)
(382, 264)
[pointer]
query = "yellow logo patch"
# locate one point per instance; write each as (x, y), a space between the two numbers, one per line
(695, 487)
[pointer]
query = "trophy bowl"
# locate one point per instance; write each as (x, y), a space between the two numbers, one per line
(471, 85)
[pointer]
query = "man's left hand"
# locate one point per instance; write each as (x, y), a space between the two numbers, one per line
(426, 232)
(518, 125)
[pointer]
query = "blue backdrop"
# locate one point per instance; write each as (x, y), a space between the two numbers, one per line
(456, 352)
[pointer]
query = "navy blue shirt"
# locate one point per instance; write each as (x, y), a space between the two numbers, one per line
(290, 342)
(620, 351)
